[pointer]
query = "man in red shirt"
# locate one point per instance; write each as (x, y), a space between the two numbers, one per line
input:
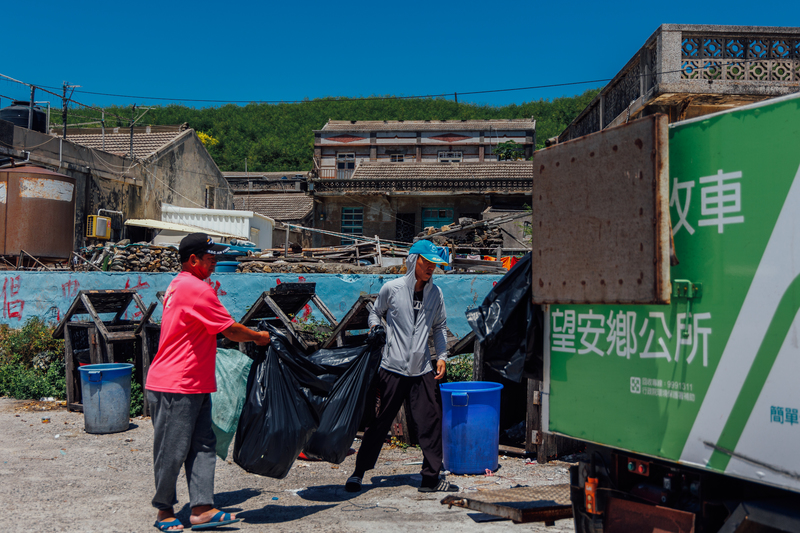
(180, 382)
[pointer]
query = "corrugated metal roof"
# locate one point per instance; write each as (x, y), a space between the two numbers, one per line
(486, 170)
(429, 125)
(288, 206)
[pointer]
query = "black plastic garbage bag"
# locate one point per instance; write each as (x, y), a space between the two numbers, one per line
(344, 407)
(509, 327)
(278, 417)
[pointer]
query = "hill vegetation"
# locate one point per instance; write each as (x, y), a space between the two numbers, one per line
(276, 137)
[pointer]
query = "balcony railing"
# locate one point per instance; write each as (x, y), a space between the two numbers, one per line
(399, 185)
(683, 65)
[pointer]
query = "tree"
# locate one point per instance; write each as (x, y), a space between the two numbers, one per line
(508, 151)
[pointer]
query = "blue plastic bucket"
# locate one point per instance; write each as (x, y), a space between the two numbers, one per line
(106, 394)
(227, 266)
(470, 426)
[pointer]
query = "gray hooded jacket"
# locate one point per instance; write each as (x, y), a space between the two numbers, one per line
(406, 351)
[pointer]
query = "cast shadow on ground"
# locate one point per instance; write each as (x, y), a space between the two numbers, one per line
(231, 502)
(336, 493)
(274, 514)
(225, 501)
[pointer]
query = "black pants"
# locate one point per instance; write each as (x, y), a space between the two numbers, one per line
(423, 395)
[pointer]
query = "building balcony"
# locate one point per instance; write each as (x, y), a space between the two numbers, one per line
(692, 70)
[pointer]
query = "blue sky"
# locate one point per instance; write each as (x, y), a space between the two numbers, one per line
(285, 51)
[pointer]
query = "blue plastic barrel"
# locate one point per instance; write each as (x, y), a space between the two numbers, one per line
(227, 266)
(470, 426)
(106, 396)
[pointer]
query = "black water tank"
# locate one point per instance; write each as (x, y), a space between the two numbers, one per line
(17, 113)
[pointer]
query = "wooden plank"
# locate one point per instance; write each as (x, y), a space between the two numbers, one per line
(363, 303)
(69, 360)
(324, 310)
(287, 322)
(145, 317)
(76, 304)
(531, 429)
(87, 304)
(256, 307)
(520, 504)
(546, 445)
(477, 362)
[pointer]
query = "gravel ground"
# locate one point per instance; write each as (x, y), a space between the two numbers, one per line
(56, 477)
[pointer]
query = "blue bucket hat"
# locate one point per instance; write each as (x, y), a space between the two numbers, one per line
(429, 251)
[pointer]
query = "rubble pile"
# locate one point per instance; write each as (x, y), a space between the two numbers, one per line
(124, 257)
(319, 267)
(461, 234)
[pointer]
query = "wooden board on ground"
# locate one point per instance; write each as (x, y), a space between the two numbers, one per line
(522, 504)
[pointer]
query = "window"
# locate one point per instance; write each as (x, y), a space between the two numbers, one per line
(352, 222)
(345, 164)
(450, 157)
(397, 158)
(406, 227)
(436, 217)
(210, 191)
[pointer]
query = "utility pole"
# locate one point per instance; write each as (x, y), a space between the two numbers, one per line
(64, 109)
(65, 101)
(133, 112)
(30, 108)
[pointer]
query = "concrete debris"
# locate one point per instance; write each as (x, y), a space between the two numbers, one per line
(138, 257)
(317, 268)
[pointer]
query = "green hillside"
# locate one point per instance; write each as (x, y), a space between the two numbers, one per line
(275, 137)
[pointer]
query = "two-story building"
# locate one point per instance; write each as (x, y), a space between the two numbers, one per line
(341, 145)
(394, 178)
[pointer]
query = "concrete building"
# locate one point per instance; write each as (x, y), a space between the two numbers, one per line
(392, 178)
(395, 201)
(165, 165)
(284, 208)
(688, 71)
(341, 145)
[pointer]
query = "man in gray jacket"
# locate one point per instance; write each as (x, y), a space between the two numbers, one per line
(412, 306)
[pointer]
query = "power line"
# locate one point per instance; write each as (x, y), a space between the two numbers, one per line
(360, 98)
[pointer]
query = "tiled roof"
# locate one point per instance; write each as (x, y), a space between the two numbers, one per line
(286, 206)
(429, 125)
(446, 171)
(144, 144)
(266, 175)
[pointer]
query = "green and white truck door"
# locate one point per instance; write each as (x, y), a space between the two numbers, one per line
(708, 378)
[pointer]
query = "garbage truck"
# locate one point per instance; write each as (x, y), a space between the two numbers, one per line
(667, 260)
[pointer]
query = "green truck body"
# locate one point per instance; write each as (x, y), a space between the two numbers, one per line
(711, 380)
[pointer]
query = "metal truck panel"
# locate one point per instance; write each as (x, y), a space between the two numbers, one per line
(601, 217)
(709, 380)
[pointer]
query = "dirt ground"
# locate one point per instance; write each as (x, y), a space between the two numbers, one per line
(56, 477)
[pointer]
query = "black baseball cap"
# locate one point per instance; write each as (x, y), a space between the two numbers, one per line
(199, 244)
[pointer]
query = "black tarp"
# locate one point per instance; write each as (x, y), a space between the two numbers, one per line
(509, 327)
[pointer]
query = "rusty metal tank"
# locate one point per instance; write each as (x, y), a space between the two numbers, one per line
(37, 212)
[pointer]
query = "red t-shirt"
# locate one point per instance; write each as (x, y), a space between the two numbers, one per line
(187, 351)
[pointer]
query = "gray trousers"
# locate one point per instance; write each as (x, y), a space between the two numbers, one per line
(182, 435)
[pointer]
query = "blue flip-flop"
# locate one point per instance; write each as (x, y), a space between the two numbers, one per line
(164, 525)
(217, 520)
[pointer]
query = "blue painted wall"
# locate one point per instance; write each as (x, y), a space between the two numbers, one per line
(49, 295)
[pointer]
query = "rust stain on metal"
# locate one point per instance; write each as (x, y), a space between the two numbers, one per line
(603, 221)
(41, 205)
(625, 516)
